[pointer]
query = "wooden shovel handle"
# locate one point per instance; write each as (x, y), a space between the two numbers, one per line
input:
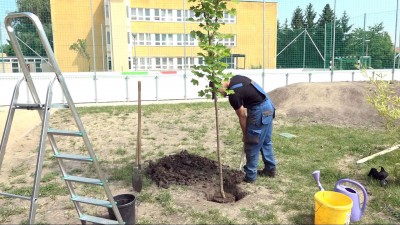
(139, 131)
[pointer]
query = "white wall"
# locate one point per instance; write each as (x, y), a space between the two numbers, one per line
(113, 87)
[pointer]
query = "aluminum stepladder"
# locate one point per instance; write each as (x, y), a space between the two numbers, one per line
(47, 133)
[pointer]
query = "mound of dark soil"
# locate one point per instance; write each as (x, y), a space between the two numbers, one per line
(197, 172)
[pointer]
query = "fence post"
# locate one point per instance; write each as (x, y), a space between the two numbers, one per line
(95, 87)
(287, 79)
(352, 76)
(127, 88)
(185, 88)
(156, 87)
(309, 77)
(373, 75)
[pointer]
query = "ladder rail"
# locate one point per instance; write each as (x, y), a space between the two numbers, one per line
(20, 56)
(10, 116)
(52, 60)
(42, 148)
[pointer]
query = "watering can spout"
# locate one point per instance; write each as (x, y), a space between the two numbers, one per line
(316, 175)
(356, 211)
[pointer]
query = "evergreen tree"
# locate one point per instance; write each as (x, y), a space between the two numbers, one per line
(344, 23)
(297, 19)
(342, 36)
(326, 16)
(309, 16)
(286, 24)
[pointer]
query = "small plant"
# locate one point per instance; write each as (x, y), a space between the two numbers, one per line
(385, 100)
(80, 46)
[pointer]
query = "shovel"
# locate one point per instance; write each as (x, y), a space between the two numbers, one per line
(137, 178)
(242, 159)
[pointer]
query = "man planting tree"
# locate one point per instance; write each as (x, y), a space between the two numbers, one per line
(256, 126)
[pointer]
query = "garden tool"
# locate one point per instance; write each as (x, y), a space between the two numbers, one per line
(242, 159)
(137, 178)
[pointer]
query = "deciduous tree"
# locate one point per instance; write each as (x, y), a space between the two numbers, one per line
(209, 14)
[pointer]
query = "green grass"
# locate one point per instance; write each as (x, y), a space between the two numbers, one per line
(7, 211)
(50, 176)
(332, 150)
(211, 216)
(262, 214)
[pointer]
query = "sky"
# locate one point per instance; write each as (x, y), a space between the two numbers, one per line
(376, 10)
(6, 6)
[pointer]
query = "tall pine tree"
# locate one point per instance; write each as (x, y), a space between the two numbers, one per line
(297, 19)
(309, 16)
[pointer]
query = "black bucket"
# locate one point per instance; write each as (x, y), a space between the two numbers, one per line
(126, 206)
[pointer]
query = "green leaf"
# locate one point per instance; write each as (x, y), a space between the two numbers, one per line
(195, 82)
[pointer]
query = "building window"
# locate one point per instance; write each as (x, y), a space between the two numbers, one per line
(179, 15)
(143, 39)
(134, 63)
(107, 13)
(230, 61)
(15, 67)
(157, 14)
(38, 67)
(109, 63)
(228, 18)
(179, 63)
(157, 39)
(147, 14)
(167, 39)
(189, 40)
(231, 41)
(144, 63)
(201, 61)
(133, 14)
(108, 37)
(175, 15)
(179, 39)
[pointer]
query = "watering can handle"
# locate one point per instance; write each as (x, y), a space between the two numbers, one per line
(361, 187)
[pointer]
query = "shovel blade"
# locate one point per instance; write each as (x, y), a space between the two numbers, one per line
(137, 181)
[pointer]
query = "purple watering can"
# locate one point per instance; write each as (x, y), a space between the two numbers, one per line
(356, 211)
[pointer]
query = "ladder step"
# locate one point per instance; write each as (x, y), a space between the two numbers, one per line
(97, 220)
(92, 201)
(65, 132)
(74, 157)
(83, 180)
(59, 106)
(29, 106)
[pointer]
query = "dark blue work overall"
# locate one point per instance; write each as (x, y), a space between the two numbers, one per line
(258, 134)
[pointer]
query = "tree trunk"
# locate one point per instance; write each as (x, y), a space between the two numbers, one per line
(221, 178)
